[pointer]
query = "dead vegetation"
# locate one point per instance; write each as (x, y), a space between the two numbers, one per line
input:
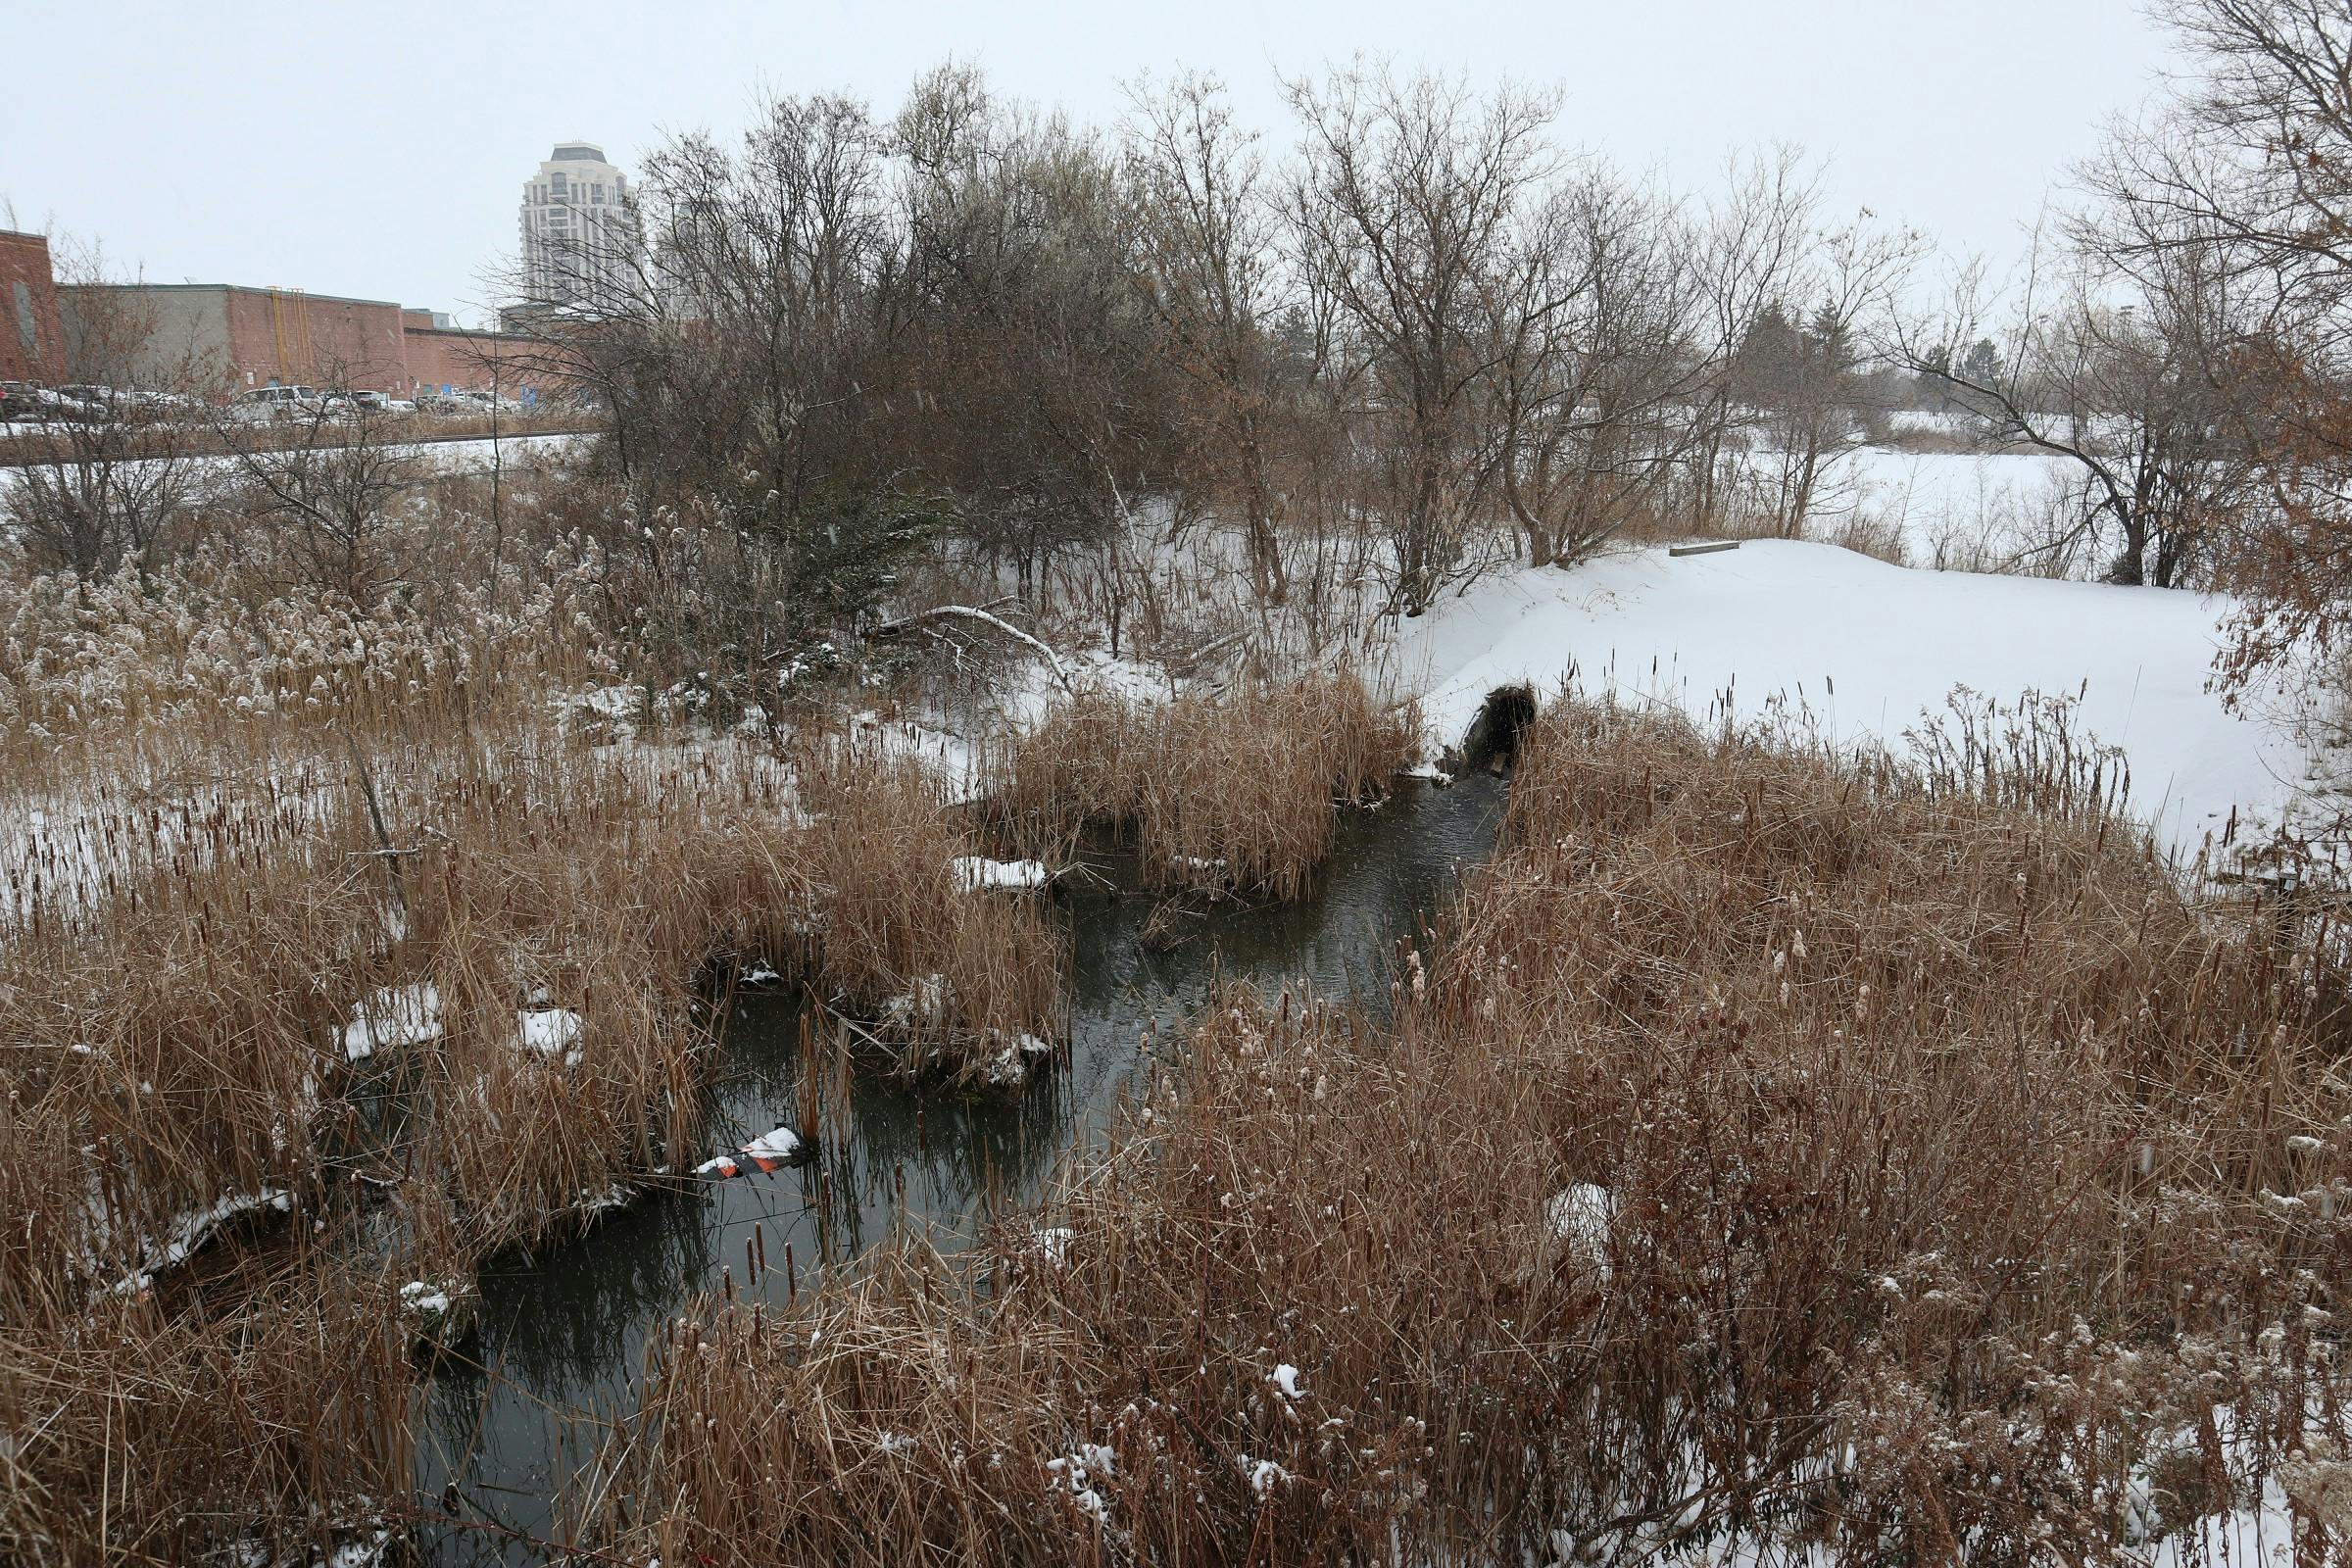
(946, 979)
(1773, 1153)
(445, 1000)
(149, 1434)
(1229, 788)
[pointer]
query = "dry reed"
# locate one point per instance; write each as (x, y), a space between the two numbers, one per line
(948, 980)
(178, 1026)
(185, 1434)
(1222, 789)
(1775, 1154)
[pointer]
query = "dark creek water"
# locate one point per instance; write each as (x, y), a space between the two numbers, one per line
(563, 1337)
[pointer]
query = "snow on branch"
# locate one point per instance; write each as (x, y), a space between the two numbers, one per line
(968, 613)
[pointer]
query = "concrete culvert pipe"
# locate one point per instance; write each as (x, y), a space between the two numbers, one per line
(1492, 740)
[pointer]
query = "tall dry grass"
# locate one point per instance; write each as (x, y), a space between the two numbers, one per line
(177, 1020)
(177, 1045)
(595, 890)
(274, 1424)
(947, 980)
(244, 808)
(217, 655)
(1775, 1154)
(1222, 789)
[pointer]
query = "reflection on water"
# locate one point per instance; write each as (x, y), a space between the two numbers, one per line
(564, 1335)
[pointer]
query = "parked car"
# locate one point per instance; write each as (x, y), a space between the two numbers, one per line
(27, 401)
(473, 400)
(265, 402)
(379, 403)
(126, 402)
(161, 404)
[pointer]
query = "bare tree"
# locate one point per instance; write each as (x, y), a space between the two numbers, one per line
(1594, 316)
(1025, 345)
(1207, 252)
(113, 484)
(1799, 368)
(1401, 212)
(2242, 186)
(328, 482)
(2123, 370)
(1751, 246)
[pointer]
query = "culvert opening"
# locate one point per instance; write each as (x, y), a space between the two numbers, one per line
(1493, 741)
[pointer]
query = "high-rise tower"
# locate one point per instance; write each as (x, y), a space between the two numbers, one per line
(579, 235)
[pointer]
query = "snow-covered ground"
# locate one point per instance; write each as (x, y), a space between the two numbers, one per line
(1866, 649)
(441, 457)
(1955, 508)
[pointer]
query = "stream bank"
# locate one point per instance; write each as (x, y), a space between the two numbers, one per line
(564, 1334)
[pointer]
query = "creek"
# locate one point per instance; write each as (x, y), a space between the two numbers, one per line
(563, 1335)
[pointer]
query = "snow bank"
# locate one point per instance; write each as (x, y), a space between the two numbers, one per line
(1865, 649)
(974, 874)
(395, 1016)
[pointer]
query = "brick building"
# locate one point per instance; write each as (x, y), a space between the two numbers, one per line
(32, 344)
(440, 357)
(223, 338)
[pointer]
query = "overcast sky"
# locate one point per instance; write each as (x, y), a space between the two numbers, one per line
(381, 151)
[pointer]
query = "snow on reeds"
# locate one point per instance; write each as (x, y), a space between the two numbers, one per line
(1772, 1150)
(1230, 788)
(521, 927)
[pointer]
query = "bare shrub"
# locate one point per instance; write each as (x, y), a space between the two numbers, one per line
(1868, 535)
